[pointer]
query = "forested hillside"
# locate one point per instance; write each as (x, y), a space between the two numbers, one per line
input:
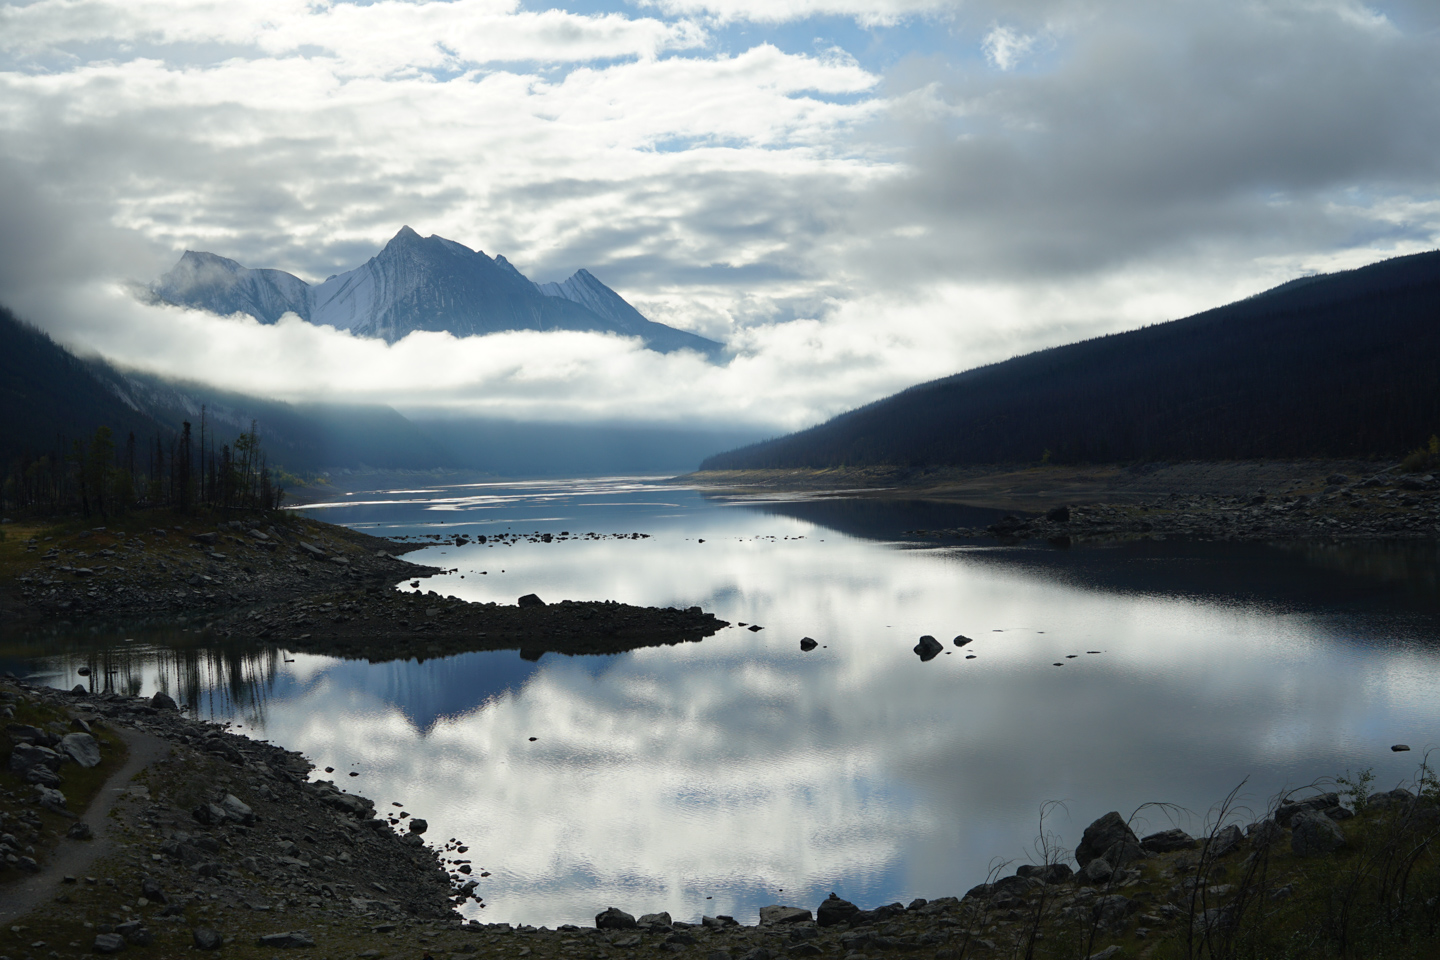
(1339, 365)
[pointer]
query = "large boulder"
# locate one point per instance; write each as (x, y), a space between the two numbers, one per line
(1046, 873)
(614, 918)
(206, 939)
(834, 911)
(1313, 834)
(1225, 841)
(1095, 872)
(1119, 854)
(774, 915)
(1291, 809)
(1103, 834)
(25, 757)
(163, 701)
(237, 809)
(1167, 841)
(108, 943)
(82, 748)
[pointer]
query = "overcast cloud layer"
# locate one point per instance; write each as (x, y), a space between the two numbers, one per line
(855, 196)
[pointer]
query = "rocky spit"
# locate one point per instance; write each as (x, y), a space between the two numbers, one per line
(283, 579)
(1381, 506)
(383, 624)
(226, 843)
(162, 563)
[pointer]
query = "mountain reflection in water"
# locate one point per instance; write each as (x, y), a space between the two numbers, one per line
(737, 767)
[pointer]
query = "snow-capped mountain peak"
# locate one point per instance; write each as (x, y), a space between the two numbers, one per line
(419, 283)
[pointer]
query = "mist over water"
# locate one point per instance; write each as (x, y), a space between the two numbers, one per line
(720, 776)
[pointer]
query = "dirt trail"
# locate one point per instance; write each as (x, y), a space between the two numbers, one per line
(73, 857)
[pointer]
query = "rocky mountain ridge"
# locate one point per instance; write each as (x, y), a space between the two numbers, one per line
(418, 283)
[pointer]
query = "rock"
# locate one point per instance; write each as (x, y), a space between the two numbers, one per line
(834, 910)
(961, 640)
(162, 701)
(83, 671)
(25, 757)
(774, 915)
(928, 648)
(237, 809)
(718, 922)
(418, 826)
(1095, 872)
(1119, 854)
(806, 644)
(206, 939)
(109, 943)
(79, 690)
(82, 748)
(1337, 480)
(1290, 810)
(1401, 747)
(614, 919)
(79, 830)
(1102, 835)
(209, 539)
(1113, 912)
(152, 891)
(1051, 873)
(1167, 841)
(1060, 514)
(285, 941)
(800, 950)
(759, 953)
(661, 919)
(1264, 833)
(312, 550)
(1314, 834)
(52, 800)
(1114, 950)
(1224, 841)
(1390, 798)
(529, 600)
(209, 814)
(136, 933)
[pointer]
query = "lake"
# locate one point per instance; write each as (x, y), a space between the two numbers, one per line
(720, 776)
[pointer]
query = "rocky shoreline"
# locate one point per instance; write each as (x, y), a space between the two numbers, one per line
(223, 842)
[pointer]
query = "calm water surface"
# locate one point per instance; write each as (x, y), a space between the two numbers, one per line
(720, 776)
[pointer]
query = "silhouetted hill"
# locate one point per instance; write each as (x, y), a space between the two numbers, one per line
(1337, 365)
(48, 395)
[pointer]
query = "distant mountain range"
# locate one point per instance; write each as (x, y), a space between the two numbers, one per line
(1334, 365)
(419, 283)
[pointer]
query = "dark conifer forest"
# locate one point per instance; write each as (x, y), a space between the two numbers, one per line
(1337, 365)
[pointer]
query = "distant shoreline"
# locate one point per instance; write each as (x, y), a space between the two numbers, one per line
(1213, 500)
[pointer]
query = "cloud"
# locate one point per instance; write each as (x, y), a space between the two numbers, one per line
(1031, 173)
(1005, 47)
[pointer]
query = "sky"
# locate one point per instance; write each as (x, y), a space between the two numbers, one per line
(854, 196)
